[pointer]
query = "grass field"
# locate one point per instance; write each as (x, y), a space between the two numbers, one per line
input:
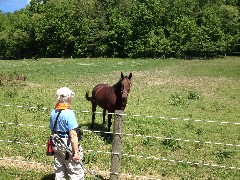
(190, 108)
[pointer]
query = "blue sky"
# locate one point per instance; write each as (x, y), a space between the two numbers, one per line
(12, 5)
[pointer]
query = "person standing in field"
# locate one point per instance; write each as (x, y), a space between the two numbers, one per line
(63, 123)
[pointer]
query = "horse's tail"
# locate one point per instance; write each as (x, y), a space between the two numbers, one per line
(88, 97)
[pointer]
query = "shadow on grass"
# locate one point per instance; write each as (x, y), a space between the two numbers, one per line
(52, 177)
(99, 177)
(49, 177)
(99, 127)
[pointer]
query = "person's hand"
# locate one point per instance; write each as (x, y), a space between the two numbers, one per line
(76, 157)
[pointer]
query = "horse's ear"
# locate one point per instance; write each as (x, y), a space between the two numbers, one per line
(130, 76)
(122, 76)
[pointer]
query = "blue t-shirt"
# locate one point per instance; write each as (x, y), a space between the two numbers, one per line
(66, 121)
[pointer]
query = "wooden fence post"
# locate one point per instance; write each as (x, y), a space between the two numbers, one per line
(116, 145)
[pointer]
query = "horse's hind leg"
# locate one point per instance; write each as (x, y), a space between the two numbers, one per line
(104, 114)
(109, 124)
(94, 107)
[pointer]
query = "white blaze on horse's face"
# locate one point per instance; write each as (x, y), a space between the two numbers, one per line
(125, 87)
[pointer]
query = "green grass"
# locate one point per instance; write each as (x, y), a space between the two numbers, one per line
(169, 90)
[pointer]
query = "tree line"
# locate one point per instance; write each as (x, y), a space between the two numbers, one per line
(126, 28)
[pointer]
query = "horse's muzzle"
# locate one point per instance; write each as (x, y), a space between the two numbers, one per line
(124, 95)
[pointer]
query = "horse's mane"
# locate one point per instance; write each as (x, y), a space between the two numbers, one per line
(117, 85)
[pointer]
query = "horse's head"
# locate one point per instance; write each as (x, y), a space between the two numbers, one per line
(125, 83)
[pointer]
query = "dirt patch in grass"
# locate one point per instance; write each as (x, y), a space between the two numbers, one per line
(18, 163)
(167, 77)
(33, 85)
(156, 77)
(25, 165)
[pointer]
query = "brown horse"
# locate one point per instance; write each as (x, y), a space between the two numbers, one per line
(110, 98)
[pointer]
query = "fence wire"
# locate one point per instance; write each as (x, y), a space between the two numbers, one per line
(132, 115)
(128, 134)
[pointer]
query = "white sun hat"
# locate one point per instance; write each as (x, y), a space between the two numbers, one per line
(64, 92)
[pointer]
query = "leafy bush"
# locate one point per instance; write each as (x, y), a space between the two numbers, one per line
(171, 144)
(224, 154)
(11, 93)
(177, 100)
(193, 95)
(127, 28)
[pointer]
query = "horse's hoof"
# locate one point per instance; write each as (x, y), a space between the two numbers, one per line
(108, 138)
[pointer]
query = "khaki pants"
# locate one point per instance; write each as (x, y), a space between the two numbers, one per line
(67, 168)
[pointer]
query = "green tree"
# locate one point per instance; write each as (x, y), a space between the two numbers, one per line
(127, 28)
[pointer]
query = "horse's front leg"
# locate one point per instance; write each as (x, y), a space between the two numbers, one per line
(109, 124)
(104, 114)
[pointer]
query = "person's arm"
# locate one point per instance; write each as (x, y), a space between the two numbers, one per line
(74, 141)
